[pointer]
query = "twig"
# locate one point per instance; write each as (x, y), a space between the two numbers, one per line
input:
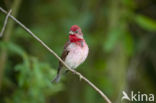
(51, 51)
(5, 23)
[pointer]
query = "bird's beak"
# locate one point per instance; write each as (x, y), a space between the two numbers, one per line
(71, 33)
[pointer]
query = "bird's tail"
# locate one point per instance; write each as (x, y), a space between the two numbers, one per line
(56, 79)
(58, 76)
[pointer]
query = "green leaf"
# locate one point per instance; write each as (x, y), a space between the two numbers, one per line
(146, 22)
(15, 48)
(12, 47)
(112, 39)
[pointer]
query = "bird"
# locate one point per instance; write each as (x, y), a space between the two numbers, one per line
(75, 51)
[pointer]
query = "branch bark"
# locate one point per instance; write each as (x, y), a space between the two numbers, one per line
(52, 52)
(5, 23)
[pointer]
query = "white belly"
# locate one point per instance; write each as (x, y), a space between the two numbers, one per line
(77, 55)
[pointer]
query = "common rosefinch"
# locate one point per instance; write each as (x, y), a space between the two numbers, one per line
(75, 51)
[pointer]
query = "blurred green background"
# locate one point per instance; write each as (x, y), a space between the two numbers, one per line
(121, 35)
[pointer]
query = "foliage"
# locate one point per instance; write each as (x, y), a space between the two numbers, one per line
(33, 78)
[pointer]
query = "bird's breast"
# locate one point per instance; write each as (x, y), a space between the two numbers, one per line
(76, 55)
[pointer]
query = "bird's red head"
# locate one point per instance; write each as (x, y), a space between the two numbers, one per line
(75, 28)
(75, 34)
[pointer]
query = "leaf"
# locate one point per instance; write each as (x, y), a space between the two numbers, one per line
(112, 39)
(146, 22)
(15, 48)
(12, 47)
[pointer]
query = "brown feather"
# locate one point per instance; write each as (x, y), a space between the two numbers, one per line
(63, 57)
(65, 53)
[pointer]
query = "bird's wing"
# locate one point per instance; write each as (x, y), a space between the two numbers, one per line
(65, 53)
(63, 57)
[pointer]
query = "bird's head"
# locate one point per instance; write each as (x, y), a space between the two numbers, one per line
(75, 34)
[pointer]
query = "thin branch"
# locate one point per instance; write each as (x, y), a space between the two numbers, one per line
(51, 51)
(5, 23)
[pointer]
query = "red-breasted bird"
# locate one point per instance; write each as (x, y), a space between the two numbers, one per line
(75, 51)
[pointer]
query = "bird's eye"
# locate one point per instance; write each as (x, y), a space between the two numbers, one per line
(76, 31)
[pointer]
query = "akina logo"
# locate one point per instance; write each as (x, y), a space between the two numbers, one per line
(138, 96)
